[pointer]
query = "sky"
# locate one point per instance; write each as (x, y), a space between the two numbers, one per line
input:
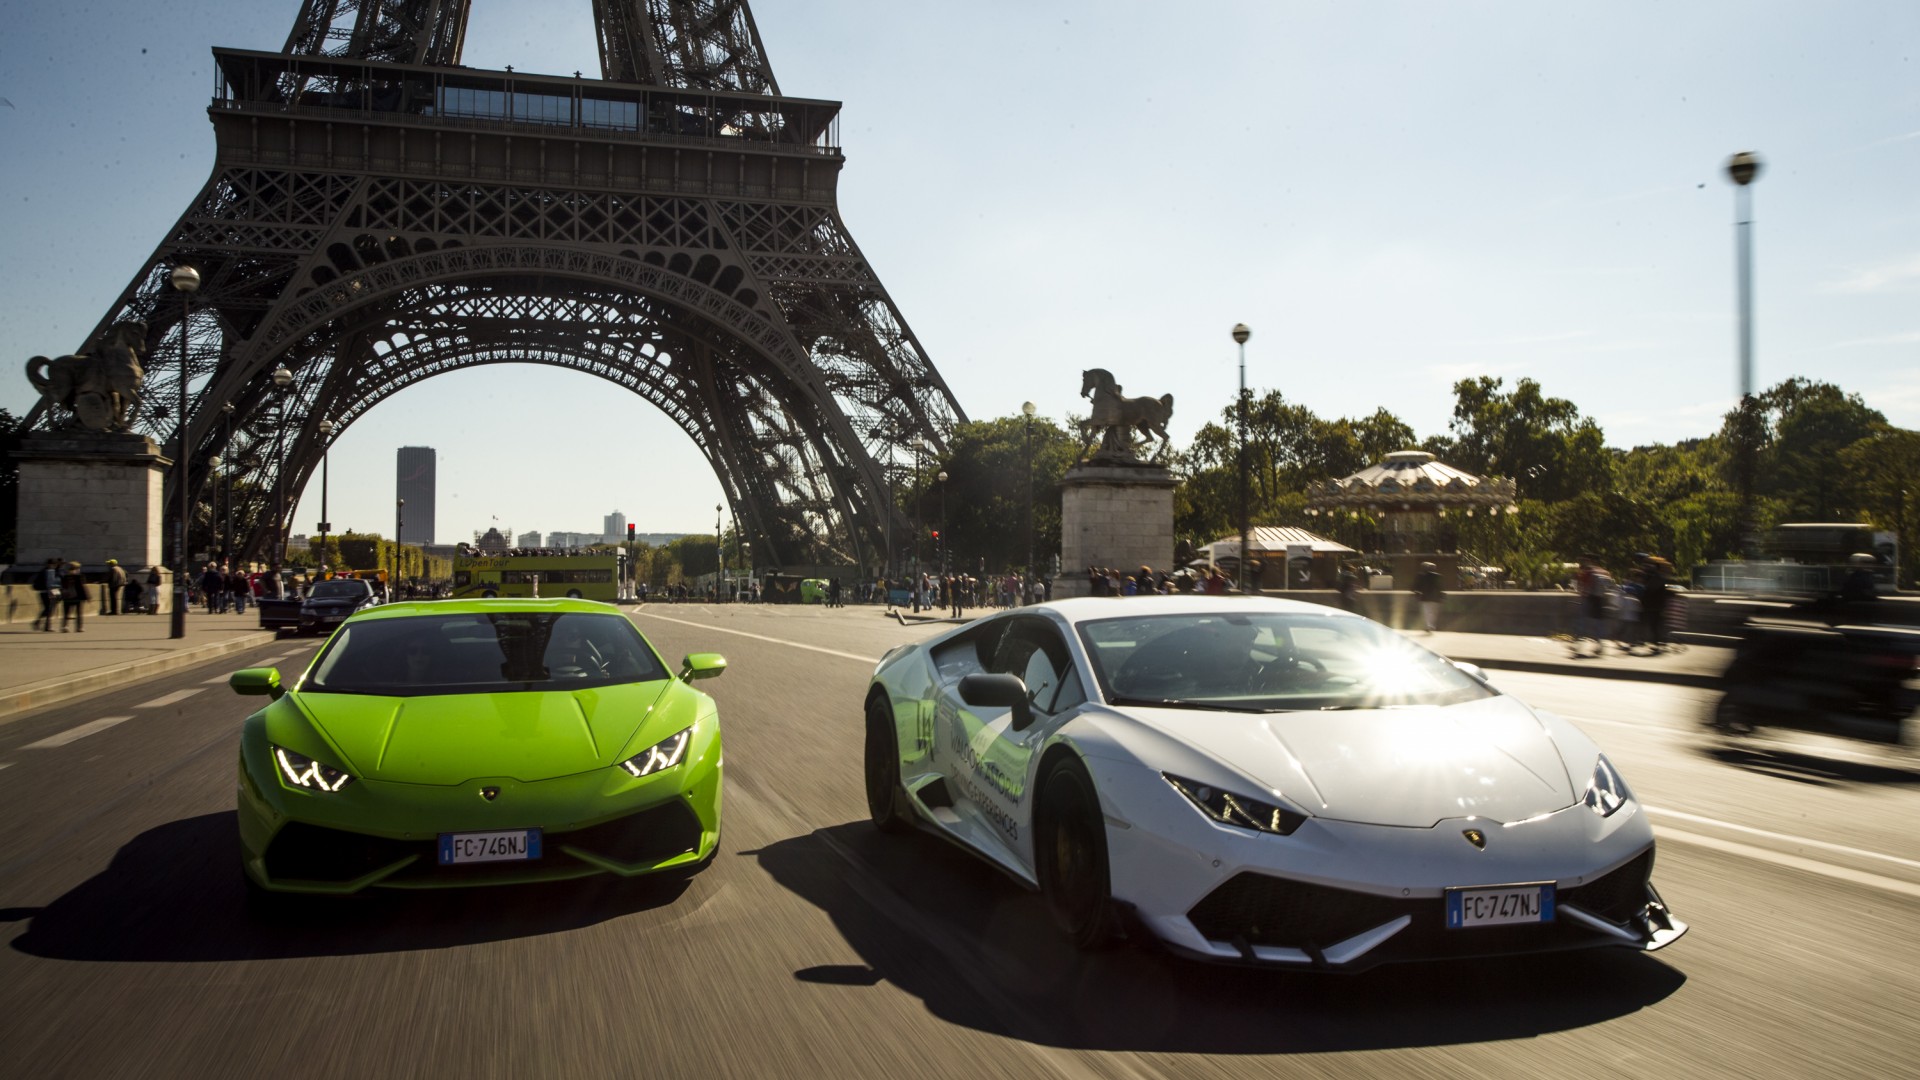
(1392, 196)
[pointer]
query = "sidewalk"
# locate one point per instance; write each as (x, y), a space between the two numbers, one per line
(1693, 665)
(39, 669)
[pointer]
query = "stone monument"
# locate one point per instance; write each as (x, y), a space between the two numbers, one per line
(1116, 510)
(92, 488)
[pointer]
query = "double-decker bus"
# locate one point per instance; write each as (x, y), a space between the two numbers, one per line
(591, 575)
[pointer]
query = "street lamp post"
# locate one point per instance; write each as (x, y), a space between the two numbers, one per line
(282, 378)
(218, 547)
(1240, 336)
(226, 478)
(399, 522)
(186, 281)
(719, 558)
(1027, 409)
(945, 541)
(325, 428)
(1743, 169)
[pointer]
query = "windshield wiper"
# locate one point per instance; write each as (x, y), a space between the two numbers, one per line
(1171, 703)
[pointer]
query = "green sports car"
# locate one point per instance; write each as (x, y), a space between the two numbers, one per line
(478, 742)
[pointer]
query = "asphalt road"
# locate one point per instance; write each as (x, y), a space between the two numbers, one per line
(816, 947)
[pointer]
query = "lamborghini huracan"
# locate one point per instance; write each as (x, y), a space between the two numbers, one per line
(478, 742)
(1259, 781)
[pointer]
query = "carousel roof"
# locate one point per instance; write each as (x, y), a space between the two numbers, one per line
(1410, 479)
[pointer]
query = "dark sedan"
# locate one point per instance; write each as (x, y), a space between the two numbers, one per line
(330, 602)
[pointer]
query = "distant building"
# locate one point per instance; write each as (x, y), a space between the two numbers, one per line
(492, 542)
(614, 527)
(571, 539)
(414, 484)
(527, 540)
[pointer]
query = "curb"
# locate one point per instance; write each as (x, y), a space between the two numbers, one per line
(33, 696)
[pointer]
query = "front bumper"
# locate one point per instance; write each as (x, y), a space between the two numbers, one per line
(1344, 896)
(386, 835)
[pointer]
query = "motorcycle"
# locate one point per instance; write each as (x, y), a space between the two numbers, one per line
(1820, 674)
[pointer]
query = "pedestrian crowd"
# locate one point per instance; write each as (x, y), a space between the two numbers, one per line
(1636, 615)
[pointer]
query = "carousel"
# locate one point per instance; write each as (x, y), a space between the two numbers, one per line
(1410, 494)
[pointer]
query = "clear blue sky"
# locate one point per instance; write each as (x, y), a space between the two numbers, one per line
(1392, 195)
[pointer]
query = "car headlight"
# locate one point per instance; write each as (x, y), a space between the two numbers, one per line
(303, 772)
(662, 755)
(1606, 792)
(1230, 809)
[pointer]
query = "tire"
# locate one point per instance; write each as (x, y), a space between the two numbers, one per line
(886, 797)
(1070, 856)
(573, 594)
(489, 594)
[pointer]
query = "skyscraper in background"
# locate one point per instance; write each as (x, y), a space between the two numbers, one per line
(415, 485)
(613, 528)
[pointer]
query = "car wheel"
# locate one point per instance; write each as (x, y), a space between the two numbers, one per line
(573, 594)
(886, 799)
(1070, 856)
(490, 594)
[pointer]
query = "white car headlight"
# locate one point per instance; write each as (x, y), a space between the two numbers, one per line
(662, 755)
(1231, 809)
(1606, 792)
(303, 772)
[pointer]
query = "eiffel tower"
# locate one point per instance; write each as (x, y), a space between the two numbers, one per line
(379, 214)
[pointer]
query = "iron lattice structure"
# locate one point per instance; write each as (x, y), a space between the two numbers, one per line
(378, 215)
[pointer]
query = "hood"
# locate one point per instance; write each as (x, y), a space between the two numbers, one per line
(1411, 767)
(454, 738)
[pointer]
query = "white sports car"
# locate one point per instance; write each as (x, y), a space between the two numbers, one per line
(1259, 781)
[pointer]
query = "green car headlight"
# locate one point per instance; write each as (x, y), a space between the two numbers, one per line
(301, 771)
(662, 755)
(1230, 809)
(1606, 792)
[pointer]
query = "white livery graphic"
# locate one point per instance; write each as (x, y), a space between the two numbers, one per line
(1259, 781)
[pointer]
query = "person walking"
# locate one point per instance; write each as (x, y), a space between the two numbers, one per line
(1426, 587)
(238, 590)
(1594, 589)
(110, 591)
(1655, 591)
(153, 589)
(47, 584)
(1348, 584)
(213, 588)
(73, 598)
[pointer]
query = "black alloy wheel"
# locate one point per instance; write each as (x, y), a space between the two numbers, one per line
(573, 594)
(886, 799)
(1070, 855)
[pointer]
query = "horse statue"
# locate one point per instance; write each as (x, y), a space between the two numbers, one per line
(1117, 418)
(101, 389)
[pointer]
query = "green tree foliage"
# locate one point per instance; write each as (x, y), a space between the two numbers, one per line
(986, 494)
(1541, 442)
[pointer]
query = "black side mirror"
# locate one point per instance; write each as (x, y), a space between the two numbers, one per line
(999, 692)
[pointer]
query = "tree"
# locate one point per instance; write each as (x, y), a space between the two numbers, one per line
(1541, 442)
(987, 491)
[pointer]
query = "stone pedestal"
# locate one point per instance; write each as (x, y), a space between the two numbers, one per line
(1113, 515)
(89, 497)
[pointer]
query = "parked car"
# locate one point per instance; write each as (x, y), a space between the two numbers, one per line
(330, 602)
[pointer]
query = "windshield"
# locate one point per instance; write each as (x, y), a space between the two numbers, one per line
(1268, 662)
(484, 653)
(339, 590)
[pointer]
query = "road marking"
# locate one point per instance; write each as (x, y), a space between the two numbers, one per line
(763, 637)
(1795, 862)
(76, 734)
(1800, 840)
(217, 680)
(169, 699)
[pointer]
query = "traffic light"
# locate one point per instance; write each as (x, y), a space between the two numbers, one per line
(936, 534)
(629, 532)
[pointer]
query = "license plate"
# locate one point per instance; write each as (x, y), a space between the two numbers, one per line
(1500, 905)
(513, 845)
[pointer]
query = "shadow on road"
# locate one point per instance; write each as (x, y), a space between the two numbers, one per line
(1808, 767)
(173, 893)
(979, 951)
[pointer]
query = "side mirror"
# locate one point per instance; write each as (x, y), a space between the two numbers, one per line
(999, 692)
(702, 665)
(256, 682)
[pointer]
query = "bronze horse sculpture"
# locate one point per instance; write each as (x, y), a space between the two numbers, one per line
(1117, 417)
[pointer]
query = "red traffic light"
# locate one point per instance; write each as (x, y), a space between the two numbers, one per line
(629, 531)
(936, 534)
